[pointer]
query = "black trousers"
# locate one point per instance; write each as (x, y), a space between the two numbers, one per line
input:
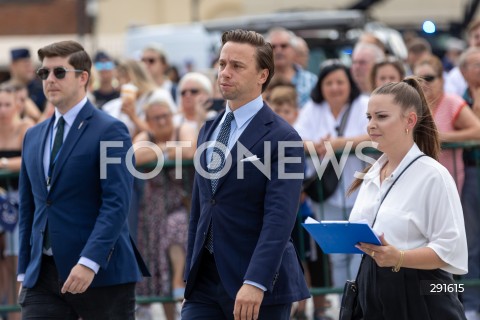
(45, 300)
(405, 295)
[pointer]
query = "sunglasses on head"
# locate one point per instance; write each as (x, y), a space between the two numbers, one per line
(429, 78)
(191, 91)
(58, 72)
(281, 45)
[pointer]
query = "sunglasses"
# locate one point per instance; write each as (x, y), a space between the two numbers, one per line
(58, 72)
(191, 91)
(429, 78)
(149, 60)
(281, 45)
(161, 117)
(104, 65)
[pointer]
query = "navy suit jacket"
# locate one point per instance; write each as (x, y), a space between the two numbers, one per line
(86, 214)
(252, 218)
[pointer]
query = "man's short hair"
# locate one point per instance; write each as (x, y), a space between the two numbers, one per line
(419, 45)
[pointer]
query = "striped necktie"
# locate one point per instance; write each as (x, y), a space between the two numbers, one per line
(216, 165)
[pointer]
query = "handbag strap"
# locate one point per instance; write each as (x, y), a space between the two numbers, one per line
(383, 198)
(341, 127)
(393, 183)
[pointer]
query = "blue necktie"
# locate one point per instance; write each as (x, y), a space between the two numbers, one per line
(216, 165)
(218, 156)
(57, 145)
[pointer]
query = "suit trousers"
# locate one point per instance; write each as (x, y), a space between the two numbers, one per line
(209, 299)
(45, 300)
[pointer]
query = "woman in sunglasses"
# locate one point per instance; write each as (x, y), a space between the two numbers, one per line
(195, 92)
(455, 121)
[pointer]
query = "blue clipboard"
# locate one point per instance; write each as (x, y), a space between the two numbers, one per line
(341, 236)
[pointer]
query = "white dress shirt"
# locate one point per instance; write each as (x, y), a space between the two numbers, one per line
(423, 209)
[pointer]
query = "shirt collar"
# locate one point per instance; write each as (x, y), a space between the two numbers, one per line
(71, 114)
(245, 112)
(374, 172)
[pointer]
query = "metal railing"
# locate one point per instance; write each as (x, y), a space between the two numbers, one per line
(315, 291)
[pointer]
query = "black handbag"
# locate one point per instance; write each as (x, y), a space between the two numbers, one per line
(349, 302)
(320, 190)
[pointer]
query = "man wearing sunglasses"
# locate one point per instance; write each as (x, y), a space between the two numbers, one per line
(105, 67)
(76, 257)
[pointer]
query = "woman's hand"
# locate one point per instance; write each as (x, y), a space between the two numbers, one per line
(385, 255)
(320, 146)
(128, 107)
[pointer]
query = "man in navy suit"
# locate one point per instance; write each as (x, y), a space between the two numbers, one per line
(241, 263)
(76, 257)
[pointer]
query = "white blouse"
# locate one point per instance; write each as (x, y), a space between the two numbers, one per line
(316, 121)
(422, 209)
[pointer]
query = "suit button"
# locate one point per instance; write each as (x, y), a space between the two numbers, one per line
(212, 202)
(49, 203)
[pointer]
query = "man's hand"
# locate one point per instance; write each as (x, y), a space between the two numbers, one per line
(247, 303)
(78, 280)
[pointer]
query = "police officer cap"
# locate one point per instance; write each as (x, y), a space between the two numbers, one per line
(20, 53)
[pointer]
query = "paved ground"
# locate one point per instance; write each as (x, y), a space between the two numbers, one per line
(157, 310)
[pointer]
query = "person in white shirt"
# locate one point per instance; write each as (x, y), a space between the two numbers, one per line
(335, 97)
(454, 81)
(417, 214)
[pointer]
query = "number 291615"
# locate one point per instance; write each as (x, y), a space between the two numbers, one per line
(431, 288)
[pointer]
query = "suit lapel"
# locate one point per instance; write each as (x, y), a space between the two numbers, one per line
(77, 129)
(253, 133)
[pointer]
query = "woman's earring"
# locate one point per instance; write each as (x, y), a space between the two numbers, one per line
(406, 131)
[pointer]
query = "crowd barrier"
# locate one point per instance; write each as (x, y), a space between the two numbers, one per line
(7, 176)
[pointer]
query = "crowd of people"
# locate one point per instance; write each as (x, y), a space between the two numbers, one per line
(340, 105)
